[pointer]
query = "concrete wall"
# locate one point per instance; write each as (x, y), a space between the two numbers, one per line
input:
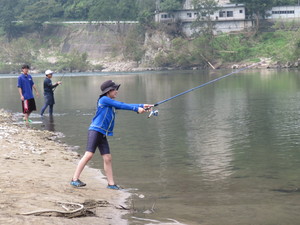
(98, 40)
(220, 27)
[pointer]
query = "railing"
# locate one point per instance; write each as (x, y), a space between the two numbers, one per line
(97, 22)
(85, 22)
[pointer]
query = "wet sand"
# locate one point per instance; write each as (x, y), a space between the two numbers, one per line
(35, 173)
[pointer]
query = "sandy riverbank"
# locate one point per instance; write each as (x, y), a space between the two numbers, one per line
(35, 173)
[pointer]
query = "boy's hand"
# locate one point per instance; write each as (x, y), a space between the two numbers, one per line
(141, 110)
(147, 107)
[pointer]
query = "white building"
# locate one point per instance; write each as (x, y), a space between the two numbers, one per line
(284, 12)
(229, 17)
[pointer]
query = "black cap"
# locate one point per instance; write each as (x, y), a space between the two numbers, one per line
(109, 85)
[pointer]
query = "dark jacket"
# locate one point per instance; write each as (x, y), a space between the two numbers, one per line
(48, 91)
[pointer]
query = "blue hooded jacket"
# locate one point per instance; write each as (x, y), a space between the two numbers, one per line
(104, 120)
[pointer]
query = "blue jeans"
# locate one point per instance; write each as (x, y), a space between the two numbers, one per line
(45, 107)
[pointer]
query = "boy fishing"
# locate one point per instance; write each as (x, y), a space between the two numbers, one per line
(48, 92)
(25, 85)
(102, 126)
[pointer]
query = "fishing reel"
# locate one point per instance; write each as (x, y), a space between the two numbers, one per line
(153, 113)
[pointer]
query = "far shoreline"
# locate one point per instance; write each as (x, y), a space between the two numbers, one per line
(257, 66)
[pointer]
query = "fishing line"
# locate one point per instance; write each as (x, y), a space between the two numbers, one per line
(155, 112)
(59, 80)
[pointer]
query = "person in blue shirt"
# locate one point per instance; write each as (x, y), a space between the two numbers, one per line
(25, 85)
(48, 92)
(102, 126)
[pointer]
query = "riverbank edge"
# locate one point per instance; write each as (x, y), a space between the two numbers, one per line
(130, 66)
(36, 170)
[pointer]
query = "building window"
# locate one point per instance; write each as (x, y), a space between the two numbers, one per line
(189, 14)
(241, 11)
(164, 16)
(284, 12)
(229, 13)
(222, 14)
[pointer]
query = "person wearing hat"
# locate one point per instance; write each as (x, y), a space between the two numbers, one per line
(48, 92)
(25, 85)
(102, 126)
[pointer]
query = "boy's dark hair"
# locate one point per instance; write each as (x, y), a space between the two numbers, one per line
(25, 66)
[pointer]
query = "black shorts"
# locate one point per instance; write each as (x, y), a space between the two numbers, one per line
(97, 139)
(28, 105)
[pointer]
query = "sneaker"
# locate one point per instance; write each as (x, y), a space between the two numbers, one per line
(114, 187)
(77, 183)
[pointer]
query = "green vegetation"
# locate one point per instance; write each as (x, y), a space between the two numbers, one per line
(281, 45)
(170, 5)
(134, 49)
(23, 39)
(34, 13)
(33, 52)
(204, 9)
(257, 9)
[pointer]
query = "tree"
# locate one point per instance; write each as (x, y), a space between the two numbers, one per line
(113, 10)
(257, 8)
(62, 2)
(146, 9)
(204, 10)
(41, 11)
(285, 2)
(145, 18)
(127, 9)
(133, 43)
(75, 61)
(206, 27)
(7, 17)
(77, 9)
(169, 5)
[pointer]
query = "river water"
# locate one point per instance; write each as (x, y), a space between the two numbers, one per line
(228, 153)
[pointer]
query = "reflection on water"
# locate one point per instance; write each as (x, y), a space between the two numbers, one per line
(48, 123)
(209, 143)
(213, 156)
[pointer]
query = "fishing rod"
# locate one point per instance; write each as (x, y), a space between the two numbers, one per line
(155, 112)
(59, 80)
